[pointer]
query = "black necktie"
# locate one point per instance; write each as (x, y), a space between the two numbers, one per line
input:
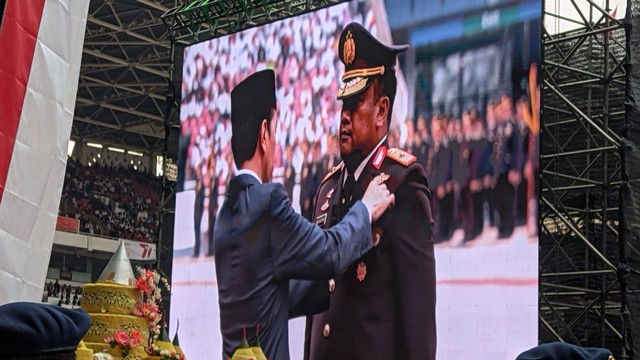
(347, 192)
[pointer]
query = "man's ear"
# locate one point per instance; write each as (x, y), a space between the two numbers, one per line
(382, 112)
(264, 135)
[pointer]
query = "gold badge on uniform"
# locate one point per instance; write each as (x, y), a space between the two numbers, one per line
(325, 206)
(361, 272)
(349, 49)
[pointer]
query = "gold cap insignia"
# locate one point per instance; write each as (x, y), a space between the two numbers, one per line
(349, 49)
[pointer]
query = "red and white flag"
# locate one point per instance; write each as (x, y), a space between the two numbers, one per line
(41, 43)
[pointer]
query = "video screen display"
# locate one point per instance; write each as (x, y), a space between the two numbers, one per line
(467, 107)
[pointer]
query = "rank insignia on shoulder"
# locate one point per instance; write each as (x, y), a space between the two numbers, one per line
(334, 170)
(403, 157)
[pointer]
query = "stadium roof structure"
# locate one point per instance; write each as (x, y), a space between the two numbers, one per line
(124, 74)
(127, 60)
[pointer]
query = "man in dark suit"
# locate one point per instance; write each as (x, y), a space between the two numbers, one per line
(383, 306)
(261, 243)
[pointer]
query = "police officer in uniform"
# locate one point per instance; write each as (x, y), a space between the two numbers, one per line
(212, 209)
(480, 167)
(508, 174)
(439, 170)
(261, 243)
(198, 205)
(382, 306)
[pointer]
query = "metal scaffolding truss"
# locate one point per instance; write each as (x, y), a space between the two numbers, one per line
(199, 20)
(583, 84)
(124, 74)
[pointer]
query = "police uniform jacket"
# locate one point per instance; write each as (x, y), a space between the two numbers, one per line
(383, 305)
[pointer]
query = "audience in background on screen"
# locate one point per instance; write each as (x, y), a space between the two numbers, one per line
(477, 152)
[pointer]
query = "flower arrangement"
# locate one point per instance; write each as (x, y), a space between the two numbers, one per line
(149, 284)
(102, 356)
(126, 340)
(166, 354)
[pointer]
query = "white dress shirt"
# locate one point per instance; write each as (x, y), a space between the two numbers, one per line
(248, 172)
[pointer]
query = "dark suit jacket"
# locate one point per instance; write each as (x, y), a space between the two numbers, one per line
(389, 313)
(260, 244)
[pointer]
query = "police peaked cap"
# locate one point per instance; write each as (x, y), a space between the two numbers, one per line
(364, 58)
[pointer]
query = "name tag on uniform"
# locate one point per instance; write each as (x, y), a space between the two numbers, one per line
(321, 220)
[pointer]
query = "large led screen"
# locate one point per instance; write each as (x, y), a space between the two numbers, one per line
(467, 108)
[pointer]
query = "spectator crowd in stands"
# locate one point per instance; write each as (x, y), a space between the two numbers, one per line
(114, 202)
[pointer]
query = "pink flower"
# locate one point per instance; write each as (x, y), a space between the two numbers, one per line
(172, 352)
(138, 311)
(149, 309)
(136, 339)
(150, 275)
(143, 286)
(121, 337)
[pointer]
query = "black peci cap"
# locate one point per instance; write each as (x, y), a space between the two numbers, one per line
(252, 98)
(364, 58)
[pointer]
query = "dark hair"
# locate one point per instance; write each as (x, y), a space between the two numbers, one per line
(244, 138)
(386, 85)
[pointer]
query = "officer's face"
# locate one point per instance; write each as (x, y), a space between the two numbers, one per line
(360, 121)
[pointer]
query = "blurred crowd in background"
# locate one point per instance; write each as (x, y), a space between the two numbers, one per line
(481, 157)
(112, 201)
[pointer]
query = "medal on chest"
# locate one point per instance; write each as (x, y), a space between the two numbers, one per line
(361, 271)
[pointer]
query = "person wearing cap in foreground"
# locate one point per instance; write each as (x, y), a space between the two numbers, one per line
(564, 351)
(382, 306)
(261, 243)
(40, 331)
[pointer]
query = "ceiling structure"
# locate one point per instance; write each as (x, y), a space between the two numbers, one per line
(124, 75)
(127, 57)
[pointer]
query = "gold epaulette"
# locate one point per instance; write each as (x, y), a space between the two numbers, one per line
(334, 170)
(403, 157)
